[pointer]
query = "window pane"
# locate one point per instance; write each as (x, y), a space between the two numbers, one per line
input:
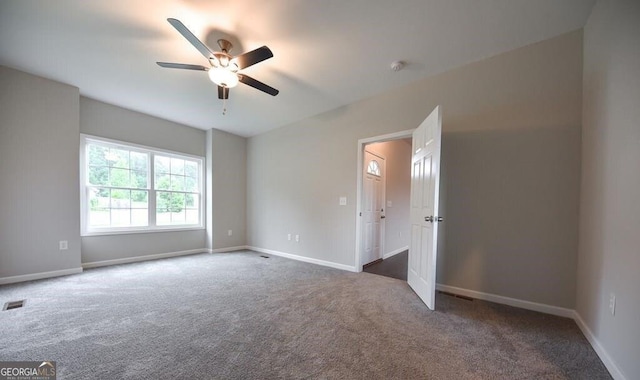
(189, 201)
(170, 208)
(163, 201)
(98, 175)
(139, 161)
(139, 199)
(163, 181)
(178, 217)
(177, 182)
(120, 198)
(97, 155)
(162, 164)
(98, 199)
(177, 202)
(191, 168)
(118, 158)
(139, 179)
(373, 168)
(163, 218)
(119, 177)
(177, 166)
(192, 216)
(99, 217)
(191, 184)
(120, 217)
(140, 217)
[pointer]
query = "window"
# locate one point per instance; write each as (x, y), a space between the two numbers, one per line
(373, 168)
(131, 188)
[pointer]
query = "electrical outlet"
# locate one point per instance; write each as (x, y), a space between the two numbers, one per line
(612, 303)
(297, 238)
(64, 245)
(230, 232)
(343, 201)
(289, 237)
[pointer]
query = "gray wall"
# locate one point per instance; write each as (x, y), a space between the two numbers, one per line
(39, 139)
(530, 97)
(609, 257)
(41, 122)
(229, 189)
(511, 209)
(398, 191)
(105, 120)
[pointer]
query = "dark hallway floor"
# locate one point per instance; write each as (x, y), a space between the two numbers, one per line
(394, 266)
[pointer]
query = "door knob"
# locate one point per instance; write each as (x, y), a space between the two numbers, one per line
(428, 219)
(382, 217)
(439, 219)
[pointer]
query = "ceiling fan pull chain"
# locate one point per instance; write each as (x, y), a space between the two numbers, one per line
(224, 106)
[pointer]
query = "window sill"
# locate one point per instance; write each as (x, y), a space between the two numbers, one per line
(141, 231)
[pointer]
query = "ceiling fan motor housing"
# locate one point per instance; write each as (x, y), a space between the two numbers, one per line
(223, 60)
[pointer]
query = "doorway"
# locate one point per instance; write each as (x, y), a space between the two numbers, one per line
(383, 228)
(424, 202)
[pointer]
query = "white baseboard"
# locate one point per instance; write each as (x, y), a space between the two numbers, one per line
(39, 276)
(395, 252)
(540, 307)
(305, 259)
(127, 260)
(228, 249)
(602, 353)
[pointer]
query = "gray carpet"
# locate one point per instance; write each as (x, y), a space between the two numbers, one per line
(240, 316)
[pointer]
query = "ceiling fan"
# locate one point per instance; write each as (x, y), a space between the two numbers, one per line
(223, 70)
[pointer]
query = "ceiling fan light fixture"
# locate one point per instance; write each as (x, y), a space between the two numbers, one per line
(223, 77)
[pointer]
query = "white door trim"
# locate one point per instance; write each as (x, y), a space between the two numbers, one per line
(361, 144)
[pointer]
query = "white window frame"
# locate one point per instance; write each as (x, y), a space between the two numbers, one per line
(86, 230)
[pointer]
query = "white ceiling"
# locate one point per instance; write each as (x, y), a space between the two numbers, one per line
(326, 53)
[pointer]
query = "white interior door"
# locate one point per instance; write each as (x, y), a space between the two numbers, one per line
(373, 178)
(425, 179)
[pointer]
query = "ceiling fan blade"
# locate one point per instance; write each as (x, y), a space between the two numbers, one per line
(252, 57)
(185, 66)
(257, 84)
(186, 33)
(223, 92)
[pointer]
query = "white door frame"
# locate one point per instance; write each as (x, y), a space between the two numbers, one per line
(361, 144)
